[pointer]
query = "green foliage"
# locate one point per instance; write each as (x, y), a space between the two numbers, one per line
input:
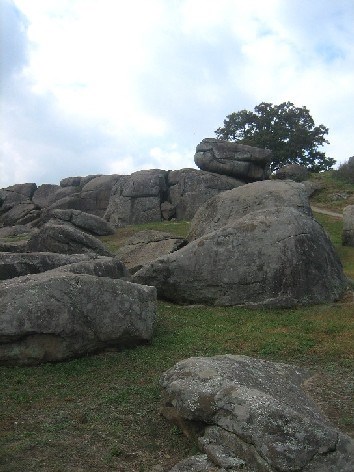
(289, 132)
(345, 171)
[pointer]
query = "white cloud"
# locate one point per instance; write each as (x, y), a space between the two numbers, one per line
(117, 86)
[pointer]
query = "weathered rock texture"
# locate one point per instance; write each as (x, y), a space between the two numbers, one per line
(146, 246)
(65, 239)
(292, 172)
(57, 315)
(233, 159)
(190, 188)
(20, 264)
(84, 221)
(348, 226)
(254, 416)
(226, 208)
(273, 257)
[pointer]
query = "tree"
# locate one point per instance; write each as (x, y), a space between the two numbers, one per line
(289, 132)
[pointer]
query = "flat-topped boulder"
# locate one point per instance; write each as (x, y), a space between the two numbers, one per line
(84, 221)
(236, 160)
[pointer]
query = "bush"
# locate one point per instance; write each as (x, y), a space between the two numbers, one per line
(345, 171)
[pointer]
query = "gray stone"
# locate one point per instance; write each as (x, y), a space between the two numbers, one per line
(256, 415)
(190, 188)
(47, 194)
(273, 257)
(16, 194)
(348, 226)
(225, 208)
(56, 315)
(168, 211)
(233, 159)
(65, 239)
(292, 172)
(146, 246)
(137, 198)
(21, 214)
(197, 463)
(18, 264)
(85, 221)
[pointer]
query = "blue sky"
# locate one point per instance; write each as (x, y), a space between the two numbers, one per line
(114, 86)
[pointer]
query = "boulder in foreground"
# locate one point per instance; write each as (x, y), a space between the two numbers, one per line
(59, 315)
(253, 415)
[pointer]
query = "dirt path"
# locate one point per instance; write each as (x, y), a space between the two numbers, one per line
(326, 212)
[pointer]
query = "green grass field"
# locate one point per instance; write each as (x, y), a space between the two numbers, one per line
(101, 413)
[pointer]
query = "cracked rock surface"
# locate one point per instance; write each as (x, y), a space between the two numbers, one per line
(252, 415)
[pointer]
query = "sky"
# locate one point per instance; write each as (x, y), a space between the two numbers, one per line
(116, 86)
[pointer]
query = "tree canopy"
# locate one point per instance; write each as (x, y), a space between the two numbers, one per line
(289, 132)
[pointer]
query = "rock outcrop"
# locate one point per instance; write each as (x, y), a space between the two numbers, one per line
(236, 160)
(146, 246)
(84, 221)
(272, 256)
(65, 239)
(20, 264)
(59, 315)
(252, 415)
(294, 172)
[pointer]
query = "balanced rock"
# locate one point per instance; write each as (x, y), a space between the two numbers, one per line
(65, 239)
(57, 315)
(254, 416)
(233, 159)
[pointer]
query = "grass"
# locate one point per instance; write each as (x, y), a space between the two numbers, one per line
(101, 413)
(114, 242)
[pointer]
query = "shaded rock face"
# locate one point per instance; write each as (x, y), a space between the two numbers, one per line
(292, 172)
(233, 159)
(227, 207)
(65, 239)
(254, 415)
(146, 246)
(20, 264)
(137, 198)
(57, 315)
(348, 226)
(85, 221)
(190, 188)
(275, 257)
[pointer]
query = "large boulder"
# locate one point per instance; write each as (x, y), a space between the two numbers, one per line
(227, 207)
(189, 189)
(19, 264)
(90, 194)
(21, 214)
(85, 221)
(65, 239)
(253, 415)
(233, 159)
(272, 257)
(294, 172)
(136, 198)
(48, 194)
(146, 246)
(57, 315)
(348, 226)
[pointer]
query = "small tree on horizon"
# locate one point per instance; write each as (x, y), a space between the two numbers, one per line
(289, 132)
